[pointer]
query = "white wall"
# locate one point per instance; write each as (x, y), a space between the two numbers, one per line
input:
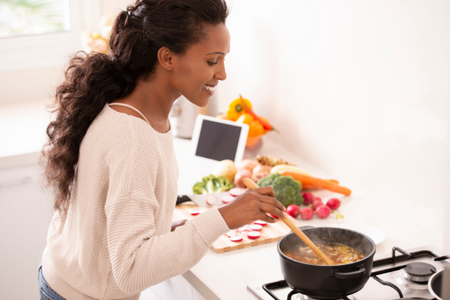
(359, 88)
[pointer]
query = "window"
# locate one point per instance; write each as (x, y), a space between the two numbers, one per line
(42, 33)
(28, 17)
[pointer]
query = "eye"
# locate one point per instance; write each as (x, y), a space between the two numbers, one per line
(212, 63)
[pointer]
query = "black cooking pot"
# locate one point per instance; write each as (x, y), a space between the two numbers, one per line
(327, 282)
(435, 285)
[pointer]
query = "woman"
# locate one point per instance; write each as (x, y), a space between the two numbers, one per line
(111, 162)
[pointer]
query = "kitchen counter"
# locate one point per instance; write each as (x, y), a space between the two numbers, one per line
(22, 136)
(225, 275)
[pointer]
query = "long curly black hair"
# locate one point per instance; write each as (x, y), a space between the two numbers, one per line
(95, 79)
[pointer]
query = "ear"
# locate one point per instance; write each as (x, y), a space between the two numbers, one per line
(165, 58)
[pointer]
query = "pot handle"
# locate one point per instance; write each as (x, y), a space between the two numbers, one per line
(346, 275)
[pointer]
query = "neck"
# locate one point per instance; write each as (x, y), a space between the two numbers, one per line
(154, 98)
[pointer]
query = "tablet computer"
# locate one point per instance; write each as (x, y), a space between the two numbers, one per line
(218, 139)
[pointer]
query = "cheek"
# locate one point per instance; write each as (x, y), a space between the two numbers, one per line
(195, 73)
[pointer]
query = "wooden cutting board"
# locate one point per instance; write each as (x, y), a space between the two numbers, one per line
(269, 233)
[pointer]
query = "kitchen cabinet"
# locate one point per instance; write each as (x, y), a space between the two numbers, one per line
(25, 214)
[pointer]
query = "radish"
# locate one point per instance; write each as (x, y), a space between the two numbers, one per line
(227, 199)
(231, 233)
(333, 203)
(254, 235)
(293, 210)
(259, 222)
(236, 191)
(307, 213)
(236, 238)
(316, 204)
(255, 227)
(308, 197)
(194, 213)
(323, 211)
(211, 199)
(244, 228)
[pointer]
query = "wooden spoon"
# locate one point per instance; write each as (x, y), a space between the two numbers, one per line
(252, 185)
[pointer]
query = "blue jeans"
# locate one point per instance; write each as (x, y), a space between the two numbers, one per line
(46, 292)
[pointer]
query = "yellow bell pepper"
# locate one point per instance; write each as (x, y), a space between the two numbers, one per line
(235, 109)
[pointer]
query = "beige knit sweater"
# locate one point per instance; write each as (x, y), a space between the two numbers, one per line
(116, 239)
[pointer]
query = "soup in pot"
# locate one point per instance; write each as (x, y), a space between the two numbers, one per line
(339, 253)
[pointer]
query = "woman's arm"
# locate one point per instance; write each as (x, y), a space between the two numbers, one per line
(140, 258)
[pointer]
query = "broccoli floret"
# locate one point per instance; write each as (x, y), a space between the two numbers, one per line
(224, 184)
(287, 189)
(199, 188)
(212, 184)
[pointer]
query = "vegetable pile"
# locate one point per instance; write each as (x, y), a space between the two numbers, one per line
(241, 111)
(315, 205)
(287, 189)
(286, 179)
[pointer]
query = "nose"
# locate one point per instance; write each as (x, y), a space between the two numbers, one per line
(221, 74)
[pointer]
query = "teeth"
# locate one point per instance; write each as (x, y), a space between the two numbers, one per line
(209, 88)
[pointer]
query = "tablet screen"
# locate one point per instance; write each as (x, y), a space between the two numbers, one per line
(218, 141)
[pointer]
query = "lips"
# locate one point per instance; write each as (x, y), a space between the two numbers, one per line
(209, 89)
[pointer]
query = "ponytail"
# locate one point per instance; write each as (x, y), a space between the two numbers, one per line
(91, 81)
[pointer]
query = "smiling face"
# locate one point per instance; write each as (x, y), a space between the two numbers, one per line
(197, 72)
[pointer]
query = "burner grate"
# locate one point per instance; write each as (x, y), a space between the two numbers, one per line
(282, 284)
(388, 267)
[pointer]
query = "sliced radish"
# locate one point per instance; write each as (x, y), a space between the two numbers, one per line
(227, 199)
(255, 227)
(236, 238)
(244, 228)
(260, 222)
(231, 233)
(254, 235)
(236, 192)
(211, 199)
(194, 213)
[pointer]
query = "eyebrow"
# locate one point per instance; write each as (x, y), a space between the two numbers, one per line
(221, 53)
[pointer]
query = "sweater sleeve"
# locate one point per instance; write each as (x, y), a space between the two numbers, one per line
(140, 255)
(139, 258)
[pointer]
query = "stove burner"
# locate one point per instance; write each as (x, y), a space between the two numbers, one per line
(304, 297)
(419, 272)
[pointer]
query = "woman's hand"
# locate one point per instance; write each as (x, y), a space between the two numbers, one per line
(175, 224)
(250, 206)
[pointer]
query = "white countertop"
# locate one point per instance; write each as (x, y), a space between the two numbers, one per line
(22, 133)
(225, 275)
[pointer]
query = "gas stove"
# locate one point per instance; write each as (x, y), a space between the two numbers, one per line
(400, 274)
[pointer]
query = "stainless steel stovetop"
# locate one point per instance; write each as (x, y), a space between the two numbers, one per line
(385, 267)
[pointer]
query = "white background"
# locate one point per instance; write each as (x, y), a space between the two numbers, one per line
(358, 88)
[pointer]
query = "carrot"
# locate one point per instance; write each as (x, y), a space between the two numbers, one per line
(313, 182)
(333, 181)
(311, 187)
(248, 110)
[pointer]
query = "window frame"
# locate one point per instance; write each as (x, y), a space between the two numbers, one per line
(47, 50)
